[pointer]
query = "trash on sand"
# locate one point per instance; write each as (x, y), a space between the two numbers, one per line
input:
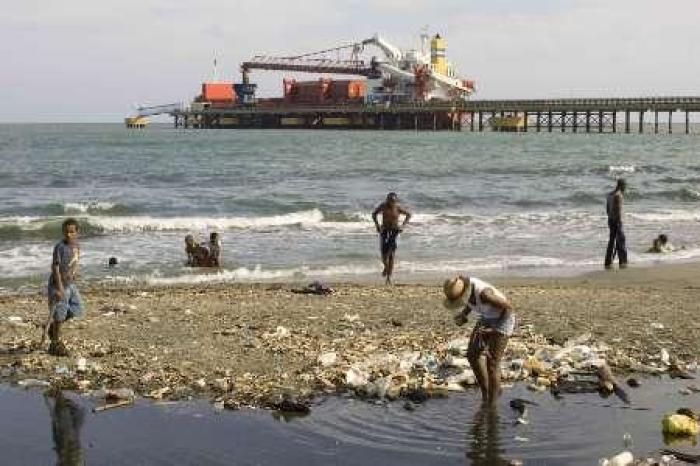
(458, 346)
(351, 317)
(657, 326)
(158, 393)
(61, 370)
(81, 365)
(118, 404)
(621, 459)
(356, 378)
(664, 356)
(29, 383)
(328, 359)
(688, 412)
(679, 424)
(632, 382)
(117, 394)
(280, 332)
(14, 319)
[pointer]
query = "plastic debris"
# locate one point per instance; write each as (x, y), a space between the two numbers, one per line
(664, 356)
(81, 365)
(29, 383)
(328, 359)
(657, 326)
(356, 378)
(280, 332)
(679, 424)
(351, 317)
(621, 459)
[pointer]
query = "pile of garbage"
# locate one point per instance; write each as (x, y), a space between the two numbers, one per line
(579, 365)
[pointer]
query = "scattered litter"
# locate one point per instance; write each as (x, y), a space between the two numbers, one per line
(664, 356)
(119, 394)
(118, 404)
(29, 383)
(356, 378)
(351, 317)
(679, 424)
(521, 439)
(328, 359)
(621, 459)
(280, 332)
(81, 365)
(657, 326)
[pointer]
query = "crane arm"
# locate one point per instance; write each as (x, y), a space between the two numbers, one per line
(391, 51)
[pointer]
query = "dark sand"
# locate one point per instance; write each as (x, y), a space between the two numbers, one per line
(216, 340)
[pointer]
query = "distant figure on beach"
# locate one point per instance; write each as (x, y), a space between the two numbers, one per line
(197, 255)
(616, 242)
(661, 245)
(64, 299)
(112, 262)
(496, 322)
(214, 250)
(389, 230)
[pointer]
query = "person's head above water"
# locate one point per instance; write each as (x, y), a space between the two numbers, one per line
(392, 198)
(189, 240)
(213, 237)
(663, 239)
(621, 185)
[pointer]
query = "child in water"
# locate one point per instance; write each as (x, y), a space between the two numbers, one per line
(214, 250)
(64, 300)
(197, 256)
(661, 245)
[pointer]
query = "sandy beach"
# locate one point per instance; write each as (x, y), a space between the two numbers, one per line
(246, 344)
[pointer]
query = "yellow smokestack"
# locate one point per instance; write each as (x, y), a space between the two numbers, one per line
(438, 61)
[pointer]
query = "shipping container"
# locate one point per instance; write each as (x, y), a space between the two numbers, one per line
(348, 90)
(218, 92)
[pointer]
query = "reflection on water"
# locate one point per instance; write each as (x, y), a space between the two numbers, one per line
(67, 419)
(484, 439)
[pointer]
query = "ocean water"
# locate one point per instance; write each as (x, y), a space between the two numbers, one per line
(295, 205)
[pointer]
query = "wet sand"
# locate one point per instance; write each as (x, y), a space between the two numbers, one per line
(223, 341)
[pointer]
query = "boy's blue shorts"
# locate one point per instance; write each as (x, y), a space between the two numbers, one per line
(70, 307)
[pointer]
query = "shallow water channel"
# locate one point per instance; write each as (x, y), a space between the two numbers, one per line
(578, 429)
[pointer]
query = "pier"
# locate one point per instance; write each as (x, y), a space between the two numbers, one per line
(588, 115)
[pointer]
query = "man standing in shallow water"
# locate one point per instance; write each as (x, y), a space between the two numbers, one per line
(389, 230)
(616, 242)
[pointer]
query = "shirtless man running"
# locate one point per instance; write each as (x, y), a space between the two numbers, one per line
(389, 230)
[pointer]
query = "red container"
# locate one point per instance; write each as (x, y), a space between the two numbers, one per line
(218, 92)
(348, 90)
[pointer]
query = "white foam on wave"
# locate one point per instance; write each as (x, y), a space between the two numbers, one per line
(667, 216)
(621, 169)
(90, 206)
(25, 260)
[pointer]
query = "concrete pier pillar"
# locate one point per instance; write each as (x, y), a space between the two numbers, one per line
(687, 122)
(575, 122)
(471, 122)
(588, 121)
(641, 122)
(563, 121)
(614, 122)
(600, 122)
(627, 121)
(549, 122)
(656, 122)
(481, 121)
(526, 116)
(670, 122)
(539, 122)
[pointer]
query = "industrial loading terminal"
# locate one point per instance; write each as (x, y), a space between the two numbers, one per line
(416, 89)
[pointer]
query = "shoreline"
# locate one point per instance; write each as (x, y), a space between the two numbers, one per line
(258, 344)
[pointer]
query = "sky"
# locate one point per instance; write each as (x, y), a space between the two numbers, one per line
(92, 61)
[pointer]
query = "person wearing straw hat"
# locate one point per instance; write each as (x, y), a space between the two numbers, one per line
(495, 324)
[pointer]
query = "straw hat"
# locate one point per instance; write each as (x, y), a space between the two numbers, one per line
(456, 292)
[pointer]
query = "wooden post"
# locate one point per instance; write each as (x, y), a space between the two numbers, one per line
(525, 118)
(687, 122)
(627, 121)
(656, 122)
(670, 122)
(641, 122)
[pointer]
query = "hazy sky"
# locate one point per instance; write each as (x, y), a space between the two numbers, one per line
(87, 60)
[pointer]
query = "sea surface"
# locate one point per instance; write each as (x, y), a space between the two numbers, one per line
(575, 430)
(295, 205)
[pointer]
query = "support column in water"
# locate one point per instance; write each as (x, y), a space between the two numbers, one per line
(670, 122)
